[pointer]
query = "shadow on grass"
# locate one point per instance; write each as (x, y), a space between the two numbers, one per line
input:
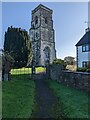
(20, 77)
(74, 102)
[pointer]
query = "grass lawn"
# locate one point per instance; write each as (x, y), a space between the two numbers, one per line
(40, 69)
(26, 70)
(18, 97)
(21, 71)
(18, 94)
(74, 102)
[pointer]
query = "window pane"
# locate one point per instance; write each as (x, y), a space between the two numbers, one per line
(83, 48)
(87, 48)
(36, 20)
(85, 64)
(88, 64)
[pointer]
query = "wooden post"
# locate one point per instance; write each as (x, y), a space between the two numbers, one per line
(33, 69)
(47, 69)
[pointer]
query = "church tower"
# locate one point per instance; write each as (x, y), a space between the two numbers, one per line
(42, 36)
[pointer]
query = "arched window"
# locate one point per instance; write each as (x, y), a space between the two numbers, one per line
(36, 35)
(36, 20)
(46, 20)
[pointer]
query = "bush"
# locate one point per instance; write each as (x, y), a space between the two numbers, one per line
(83, 69)
(59, 62)
(88, 70)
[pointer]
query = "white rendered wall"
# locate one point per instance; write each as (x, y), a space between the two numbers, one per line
(82, 56)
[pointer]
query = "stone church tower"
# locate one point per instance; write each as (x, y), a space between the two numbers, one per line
(42, 36)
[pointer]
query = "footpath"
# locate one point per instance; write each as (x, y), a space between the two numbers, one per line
(47, 103)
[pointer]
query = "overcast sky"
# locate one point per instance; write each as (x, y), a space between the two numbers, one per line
(68, 20)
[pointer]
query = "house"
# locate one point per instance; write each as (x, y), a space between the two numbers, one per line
(83, 50)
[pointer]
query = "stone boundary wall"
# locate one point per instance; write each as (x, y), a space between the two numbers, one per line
(80, 80)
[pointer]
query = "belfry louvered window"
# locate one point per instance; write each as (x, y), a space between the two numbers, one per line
(36, 20)
(46, 20)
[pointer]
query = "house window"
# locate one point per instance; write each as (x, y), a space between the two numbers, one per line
(86, 64)
(36, 20)
(89, 64)
(85, 48)
(89, 48)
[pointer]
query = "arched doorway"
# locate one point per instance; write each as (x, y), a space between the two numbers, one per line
(47, 55)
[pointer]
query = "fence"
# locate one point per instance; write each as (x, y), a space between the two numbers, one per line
(13, 68)
(19, 68)
(26, 72)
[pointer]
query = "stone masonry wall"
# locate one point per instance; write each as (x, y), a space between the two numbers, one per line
(78, 80)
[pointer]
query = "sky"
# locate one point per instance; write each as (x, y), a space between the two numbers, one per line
(68, 21)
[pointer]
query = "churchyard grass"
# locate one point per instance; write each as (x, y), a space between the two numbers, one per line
(18, 96)
(26, 70)
(18, 93)
(21, 71)
(74, 102)
(40, 69)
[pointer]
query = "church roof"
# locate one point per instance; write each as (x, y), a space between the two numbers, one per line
(40, 6)
(85, 39)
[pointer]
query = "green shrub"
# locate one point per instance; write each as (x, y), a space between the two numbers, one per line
(83, 69)
(59, 62)
(88, 70)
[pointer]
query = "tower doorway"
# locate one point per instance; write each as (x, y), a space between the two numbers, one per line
(47, 55)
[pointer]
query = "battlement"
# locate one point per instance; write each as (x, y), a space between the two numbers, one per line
(40, 6)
